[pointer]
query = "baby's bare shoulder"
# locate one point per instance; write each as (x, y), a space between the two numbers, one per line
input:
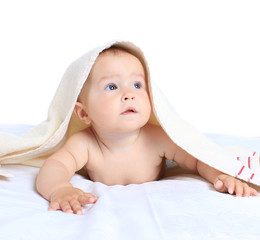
(78, 146)
(160, 140)
(80, 139)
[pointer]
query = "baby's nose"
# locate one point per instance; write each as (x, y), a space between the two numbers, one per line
(128, 97)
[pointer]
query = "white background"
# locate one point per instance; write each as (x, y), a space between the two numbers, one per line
(205, 55)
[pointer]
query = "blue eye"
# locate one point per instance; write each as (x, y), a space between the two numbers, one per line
(111, 87)
(137, 85)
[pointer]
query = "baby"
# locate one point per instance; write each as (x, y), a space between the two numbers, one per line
(120, 146)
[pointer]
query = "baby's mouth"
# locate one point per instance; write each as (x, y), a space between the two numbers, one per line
(129, 110)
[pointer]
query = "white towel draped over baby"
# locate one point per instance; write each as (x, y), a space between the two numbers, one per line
(34, 147)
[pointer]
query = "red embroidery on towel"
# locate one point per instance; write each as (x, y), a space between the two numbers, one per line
(249, 179)
(249, 166)
(237, 158)
(254, 153)
(241, 170)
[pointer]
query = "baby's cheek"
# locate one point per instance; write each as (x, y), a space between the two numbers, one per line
(105, 109)
(146, 105)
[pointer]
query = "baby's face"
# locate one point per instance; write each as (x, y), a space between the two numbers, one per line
(116, 94)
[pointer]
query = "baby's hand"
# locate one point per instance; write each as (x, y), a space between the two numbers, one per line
(70, 200)
(225, 183)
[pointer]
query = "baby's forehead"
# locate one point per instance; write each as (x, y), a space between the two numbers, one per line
(107, 61)
(110, 52)
(115, 51)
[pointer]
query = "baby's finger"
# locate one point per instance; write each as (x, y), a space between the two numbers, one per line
(247, 190)
(230, 185)
(87, 198)
(239, 189)
(54, 206)
(253, 192)
(91, 198)
(65, 207)
(75, 205)
(219, 186)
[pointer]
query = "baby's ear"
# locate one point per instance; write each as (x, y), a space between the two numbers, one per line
(81, 113)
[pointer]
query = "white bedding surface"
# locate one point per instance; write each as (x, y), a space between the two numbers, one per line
(181, 206)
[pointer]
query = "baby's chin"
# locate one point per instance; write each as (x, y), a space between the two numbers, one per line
(131, 126)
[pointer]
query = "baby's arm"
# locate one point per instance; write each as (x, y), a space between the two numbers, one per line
(53, 181)
(221, 182)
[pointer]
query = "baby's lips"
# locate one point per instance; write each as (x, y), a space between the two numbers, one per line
(129, 110)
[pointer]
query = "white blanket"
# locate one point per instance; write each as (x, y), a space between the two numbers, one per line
(181, 206)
